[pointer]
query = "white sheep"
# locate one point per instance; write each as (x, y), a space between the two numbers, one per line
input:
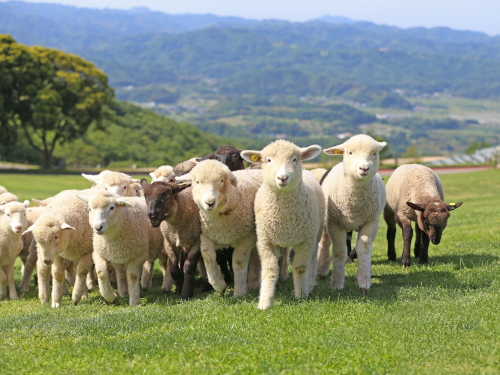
(62, 234)
(289, 212)
(226, 201)
(319, 173)
(8, 197)
(3, 189)
(12, 225)
(164, 173)
(355, 198)
(123, 238)
(415, 193)
(114, 182)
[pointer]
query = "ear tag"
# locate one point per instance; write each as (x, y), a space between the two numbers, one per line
(122, 203)
(452, 204)
(181, 183)
(28, 228)
(254, 157)
(337, 152)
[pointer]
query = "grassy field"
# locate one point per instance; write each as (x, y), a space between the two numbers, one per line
(438, 318)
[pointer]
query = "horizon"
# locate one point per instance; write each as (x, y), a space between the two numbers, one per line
(383, 17)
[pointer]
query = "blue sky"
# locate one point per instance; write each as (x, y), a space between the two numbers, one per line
(477, 15)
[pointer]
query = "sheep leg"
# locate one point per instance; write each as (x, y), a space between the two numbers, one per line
(101, 266)
(253, 270)
(424, 254)
(324, 254)
(10, 281)
(65, 287)
(214, 273)
(3, 282)
(418, 241)
(134, 269)
(339, 249)
(241, 257)
(70, 272)
(167, 277)
(391, 233)
(91, 278)
(301, 269)
(29, 267)
(43, 272)
(364, 249)
(283, 263)
(407, 236)
(121, 279)
(58, 281)
(147, 274)
(83, 267)
(189, 271)
(268, 255)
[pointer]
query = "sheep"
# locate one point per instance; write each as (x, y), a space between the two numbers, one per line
(114, 182)
(171, 207)
(122, 237)
(355, 198)
(137, 189)
(62, 234)
(319, 173)
(185, 167)
(289, 212)
(164, 173)
(42, 203)
(415, 193)
(12, 225)
(227, 155)
(8, 197)
(3, 190)
(225, 200)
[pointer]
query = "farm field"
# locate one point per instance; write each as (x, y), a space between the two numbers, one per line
(432, 319)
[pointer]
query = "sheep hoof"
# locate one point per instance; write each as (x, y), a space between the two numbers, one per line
(363, 290)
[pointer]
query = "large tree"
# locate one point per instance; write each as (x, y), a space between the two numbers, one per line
(52, 96)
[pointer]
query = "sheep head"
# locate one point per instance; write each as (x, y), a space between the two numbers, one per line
(281, 163)
(227, 155)
(52, 235)
(115, 182)
(7, 198)
(361, 156)
(164, 173)
(433, 217)
(13, 216)
(161, 200)
(212, 182)
(102, 208)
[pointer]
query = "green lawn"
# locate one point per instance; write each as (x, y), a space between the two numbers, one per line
(440, 318)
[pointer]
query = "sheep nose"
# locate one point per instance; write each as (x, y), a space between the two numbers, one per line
(98, 229)
(18, 228)
(283, 179)
(364, 169)
(210, 205)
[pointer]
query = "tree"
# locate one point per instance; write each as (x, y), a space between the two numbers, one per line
(473, 147)
(53, 96)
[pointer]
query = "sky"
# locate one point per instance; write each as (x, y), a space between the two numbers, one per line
(476, 15)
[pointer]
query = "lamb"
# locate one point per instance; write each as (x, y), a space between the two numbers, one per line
(12, 225)
(164, 173)
(62, 234)
(289, 212)
(8, 197)
(225, 200)
(171, 207)
(114, 182)
(122, 237)
(137, 189)
(415, 193)
(3, 190)
(355, 198)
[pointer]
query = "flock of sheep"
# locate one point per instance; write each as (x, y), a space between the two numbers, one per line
(213, 216)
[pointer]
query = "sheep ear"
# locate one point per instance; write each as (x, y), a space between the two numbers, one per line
(152, 176)
(28, 230)
(85, 198)
(39, 202)
(26, 203)
(184, 178)
(454, 206)
(416, 207)
(381, 145)
(90, 177)
(144, 183)
(251, 156)
(179, 188)
(310, 152)
(336, 150)
(123, 203)
(66, 226)
(233, 180)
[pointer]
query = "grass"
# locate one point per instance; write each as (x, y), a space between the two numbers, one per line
(432, 319)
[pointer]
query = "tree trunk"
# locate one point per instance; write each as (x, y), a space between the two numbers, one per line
(47, 159)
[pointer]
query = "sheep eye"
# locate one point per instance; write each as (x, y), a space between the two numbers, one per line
(350, 152)
(56, 237)
(111, 208)
(222, 181)
(269, 160)
(294, 160)
(124, 187)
